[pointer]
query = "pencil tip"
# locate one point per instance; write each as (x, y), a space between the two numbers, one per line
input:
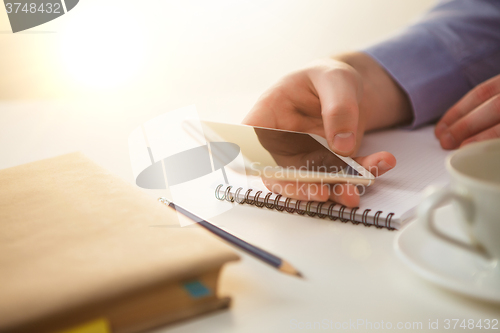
(289, 269)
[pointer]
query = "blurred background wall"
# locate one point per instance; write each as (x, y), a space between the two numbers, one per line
(186, 50)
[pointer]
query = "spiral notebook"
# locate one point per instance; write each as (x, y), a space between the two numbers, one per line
(389, 203)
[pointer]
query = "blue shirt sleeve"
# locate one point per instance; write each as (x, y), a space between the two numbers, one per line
(454, 47)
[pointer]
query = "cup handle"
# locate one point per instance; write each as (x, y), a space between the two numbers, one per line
(426, 214)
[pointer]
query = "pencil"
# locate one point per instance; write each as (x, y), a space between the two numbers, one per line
(270, 259)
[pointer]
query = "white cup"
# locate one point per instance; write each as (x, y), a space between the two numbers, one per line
(475, 193)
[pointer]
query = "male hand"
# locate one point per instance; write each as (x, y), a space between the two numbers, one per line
(332, 99)
(475, 117)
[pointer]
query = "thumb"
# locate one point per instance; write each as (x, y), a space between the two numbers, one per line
(338, 94)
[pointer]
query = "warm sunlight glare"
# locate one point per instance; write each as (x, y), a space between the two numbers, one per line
(102, 47)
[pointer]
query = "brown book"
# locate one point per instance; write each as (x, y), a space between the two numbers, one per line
(78, 244)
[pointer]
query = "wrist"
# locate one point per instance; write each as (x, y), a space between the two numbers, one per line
(383, 104)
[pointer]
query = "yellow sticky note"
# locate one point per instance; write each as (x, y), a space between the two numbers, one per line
(95, 326)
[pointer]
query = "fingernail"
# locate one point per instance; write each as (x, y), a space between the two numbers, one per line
(448, 141)
(440, 129)
(344, 142)
(383, 166)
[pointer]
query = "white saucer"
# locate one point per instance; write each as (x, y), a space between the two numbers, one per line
(444, 264)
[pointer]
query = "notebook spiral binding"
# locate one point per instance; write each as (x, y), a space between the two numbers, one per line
(228, 196)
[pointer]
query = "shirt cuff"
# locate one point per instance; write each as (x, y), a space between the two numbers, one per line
(424, 68)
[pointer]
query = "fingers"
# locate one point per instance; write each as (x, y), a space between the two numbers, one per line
(261, 113)
(344, 194)
(480, 119)
(338, 90)
(291, 104)
(491, 133)
(378, 163)
(471, 101)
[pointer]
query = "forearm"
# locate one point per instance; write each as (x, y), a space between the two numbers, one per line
(384, 104)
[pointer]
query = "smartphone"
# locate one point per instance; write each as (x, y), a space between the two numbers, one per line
(278, 154)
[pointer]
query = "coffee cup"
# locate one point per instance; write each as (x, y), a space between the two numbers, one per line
(474, 191)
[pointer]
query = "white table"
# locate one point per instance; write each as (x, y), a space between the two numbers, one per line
(352, 272)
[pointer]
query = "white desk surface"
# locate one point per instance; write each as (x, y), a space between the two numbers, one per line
(352, 272)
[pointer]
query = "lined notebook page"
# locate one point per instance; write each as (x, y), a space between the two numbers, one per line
(420, 163)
